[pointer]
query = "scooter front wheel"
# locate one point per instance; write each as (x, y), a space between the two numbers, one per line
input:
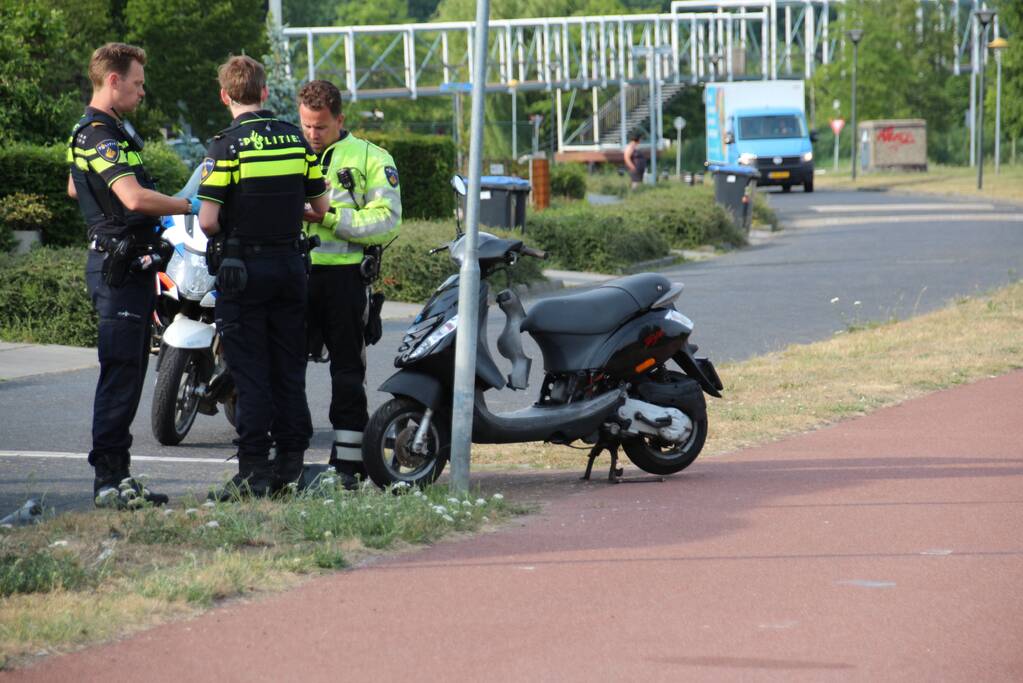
(387, 444)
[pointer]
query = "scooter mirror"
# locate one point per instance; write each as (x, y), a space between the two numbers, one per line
(458, 182)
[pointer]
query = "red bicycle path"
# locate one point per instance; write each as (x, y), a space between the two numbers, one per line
(886, 547)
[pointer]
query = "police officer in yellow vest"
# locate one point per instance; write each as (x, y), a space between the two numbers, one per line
(365, 212)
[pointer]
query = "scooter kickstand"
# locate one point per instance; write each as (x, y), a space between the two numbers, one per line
(594, 454)
(615, 473)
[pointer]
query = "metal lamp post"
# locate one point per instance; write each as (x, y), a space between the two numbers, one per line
(855, 35)
(998, 44)
(984, 16)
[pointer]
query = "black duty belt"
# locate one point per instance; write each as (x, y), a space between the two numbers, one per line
(271, 248)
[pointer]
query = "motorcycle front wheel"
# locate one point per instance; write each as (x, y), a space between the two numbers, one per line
(652, 455)
(175, 400)
(387, 444)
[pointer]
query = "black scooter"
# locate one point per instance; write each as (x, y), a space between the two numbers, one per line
(605, 354)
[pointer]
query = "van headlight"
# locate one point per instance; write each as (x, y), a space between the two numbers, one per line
(808, 156)
(747, 158)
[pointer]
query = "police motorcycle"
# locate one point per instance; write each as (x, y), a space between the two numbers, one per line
(606, 381)
(192, 376)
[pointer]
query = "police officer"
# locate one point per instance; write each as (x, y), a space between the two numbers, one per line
(256, 178)
(365, 211)
(121, 209)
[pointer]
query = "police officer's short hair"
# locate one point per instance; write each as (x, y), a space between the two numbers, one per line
(113, 58)
(243, 78)
(321, 95)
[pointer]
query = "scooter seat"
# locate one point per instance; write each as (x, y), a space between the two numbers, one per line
(597, 310)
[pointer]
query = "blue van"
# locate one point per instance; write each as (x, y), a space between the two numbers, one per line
(775, 141)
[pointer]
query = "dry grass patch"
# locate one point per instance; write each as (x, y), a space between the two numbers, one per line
(942, 180)
(806, 386)
(86, 577)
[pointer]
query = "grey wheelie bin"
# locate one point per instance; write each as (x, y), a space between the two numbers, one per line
(733, 189)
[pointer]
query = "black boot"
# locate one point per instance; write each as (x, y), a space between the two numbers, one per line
(288, 471)
(255, 478)
(114, 487)
(350, 472)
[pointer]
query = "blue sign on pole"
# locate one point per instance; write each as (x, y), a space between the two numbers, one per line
(456, 87)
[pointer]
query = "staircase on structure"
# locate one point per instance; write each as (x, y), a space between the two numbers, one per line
(609, 116)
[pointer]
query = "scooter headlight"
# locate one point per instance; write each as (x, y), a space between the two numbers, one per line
(432, 340)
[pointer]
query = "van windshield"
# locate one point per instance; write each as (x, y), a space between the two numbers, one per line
(771, 127)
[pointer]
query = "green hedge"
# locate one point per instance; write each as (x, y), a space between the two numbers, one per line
(409, 273)
(581, 237)
(568, 180)
(644, 226)
(43, 298)
(425, 166)
(43, 170)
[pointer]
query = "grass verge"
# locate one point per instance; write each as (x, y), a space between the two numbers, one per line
(942, 180)
(864, 367)
(85, 577)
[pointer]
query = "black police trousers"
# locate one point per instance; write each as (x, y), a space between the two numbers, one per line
(337, 316)
(263, 332)
(125, 319)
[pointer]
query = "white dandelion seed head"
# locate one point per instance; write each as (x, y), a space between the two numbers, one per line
(191, 511)
(467, 503)
(497, 496)
(480, 501)
(209, 504)
(453, 500)
(213, 524)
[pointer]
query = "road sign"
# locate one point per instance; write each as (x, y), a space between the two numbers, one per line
(680, 122)
(837, 125)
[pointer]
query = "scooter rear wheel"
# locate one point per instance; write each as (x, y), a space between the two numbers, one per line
(649, 455)
(387, 444)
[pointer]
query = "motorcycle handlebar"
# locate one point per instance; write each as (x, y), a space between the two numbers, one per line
(535, 253)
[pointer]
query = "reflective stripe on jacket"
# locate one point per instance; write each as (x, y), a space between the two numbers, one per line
(368, 214)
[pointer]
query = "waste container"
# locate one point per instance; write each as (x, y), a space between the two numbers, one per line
(503, 201)
(733, 189)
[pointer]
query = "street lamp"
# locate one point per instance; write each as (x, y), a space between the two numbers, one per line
(984, 16)
(998, 44)
(855, 35)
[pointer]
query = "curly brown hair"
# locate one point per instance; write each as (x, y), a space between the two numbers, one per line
(321, 95)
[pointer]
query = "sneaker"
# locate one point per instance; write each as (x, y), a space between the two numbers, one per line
(129, 494)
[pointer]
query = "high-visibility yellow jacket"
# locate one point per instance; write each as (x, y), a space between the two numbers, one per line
(368, 214)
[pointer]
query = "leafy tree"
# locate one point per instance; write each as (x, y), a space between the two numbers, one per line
(278, 76)
(39, 93)
(1010, 17)
(185, 41)
(901, 72)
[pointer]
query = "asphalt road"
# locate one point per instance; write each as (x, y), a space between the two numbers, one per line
(881, 256)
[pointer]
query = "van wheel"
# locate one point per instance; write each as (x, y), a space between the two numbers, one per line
(808, 186)
(786, 188)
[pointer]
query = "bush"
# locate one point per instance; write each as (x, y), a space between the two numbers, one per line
(686, 217)
(7, 241)
(410, 273)
(42, 170)
(588, 238)
(425, 166)
(43, 298)
(568, 180)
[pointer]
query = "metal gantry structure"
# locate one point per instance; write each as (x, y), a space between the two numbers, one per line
(611, 56)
